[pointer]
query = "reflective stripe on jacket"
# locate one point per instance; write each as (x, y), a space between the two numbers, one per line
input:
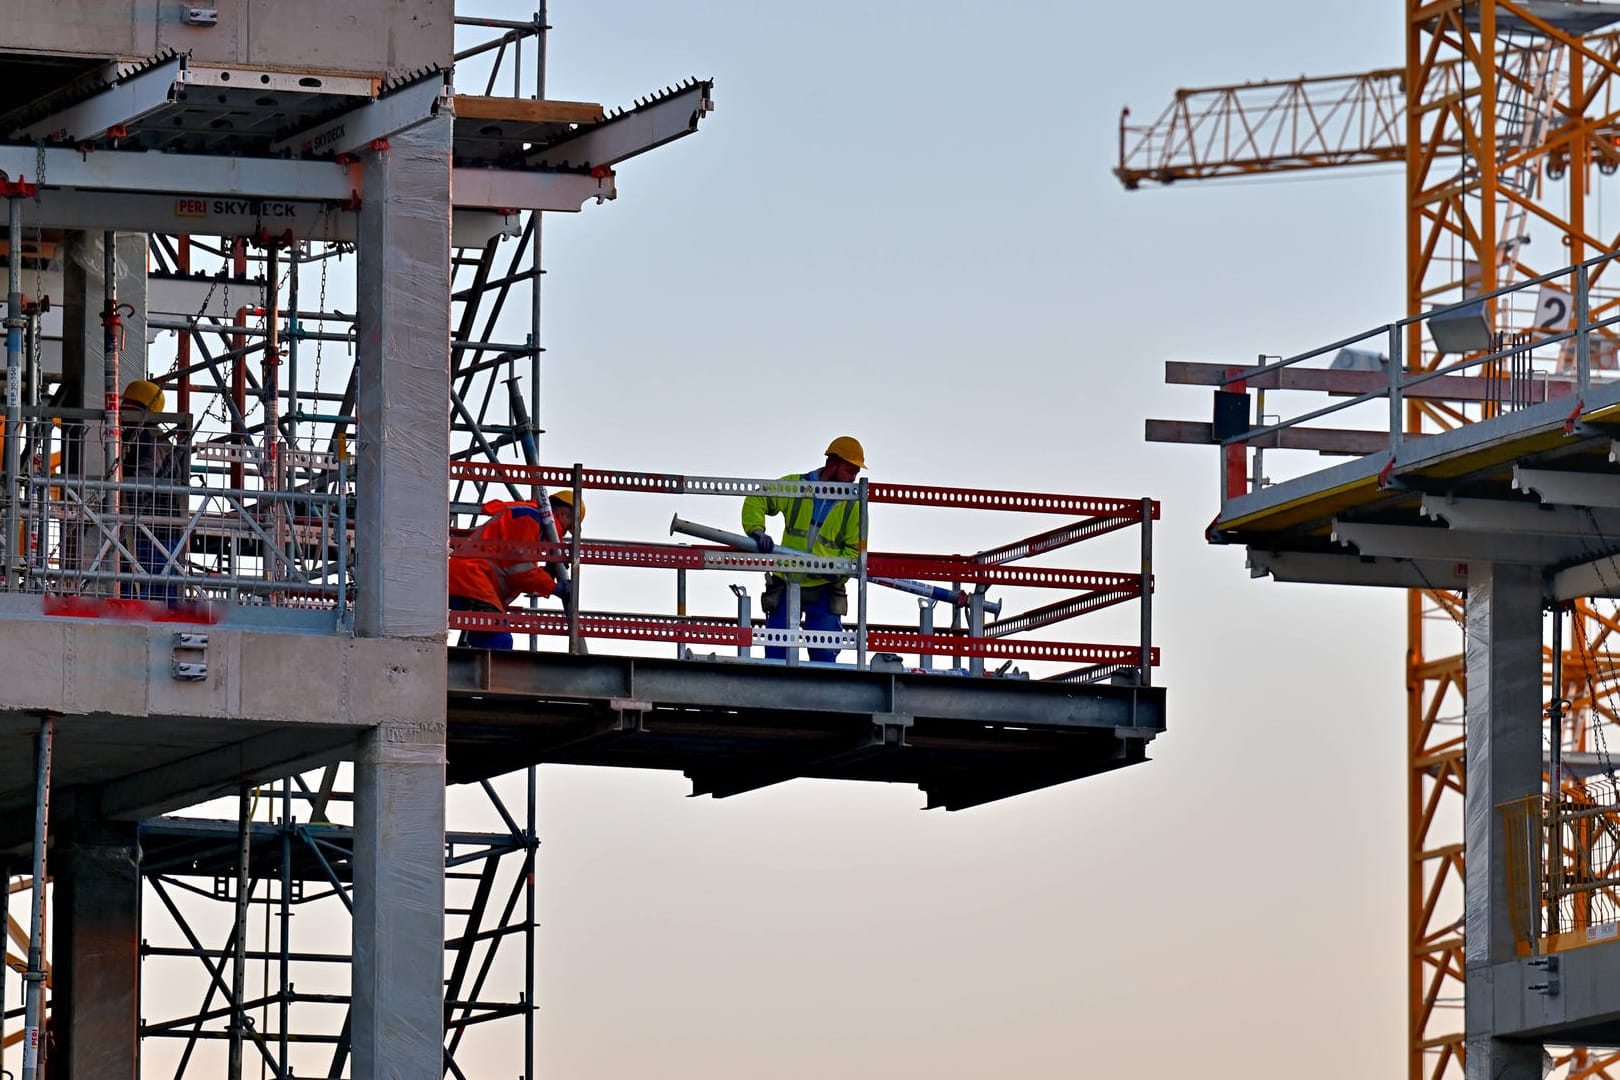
(500, 579)
(839, 535)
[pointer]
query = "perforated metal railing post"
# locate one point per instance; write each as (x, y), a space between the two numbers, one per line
(860, 598)
(1395, 364)
(1145, 668)
(575, 644)
(1583, 339)
(790, 603)
(925, 627)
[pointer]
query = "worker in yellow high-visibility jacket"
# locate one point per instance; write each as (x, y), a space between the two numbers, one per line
(821, 527)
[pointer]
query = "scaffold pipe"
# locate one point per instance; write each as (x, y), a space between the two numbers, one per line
(747, 543)
(14, 327)
(34, 977)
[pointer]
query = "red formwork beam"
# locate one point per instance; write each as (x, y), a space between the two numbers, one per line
(1128, 511)
(1027, 502)
(593, 552)
(640, 628)
(921, 567)
(944, 568)
(677, 630)
(1062, 536)
(1074, 652)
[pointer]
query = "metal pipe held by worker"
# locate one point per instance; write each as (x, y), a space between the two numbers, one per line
(747, 543)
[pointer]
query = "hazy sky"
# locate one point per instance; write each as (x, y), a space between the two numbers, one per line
(900, 223)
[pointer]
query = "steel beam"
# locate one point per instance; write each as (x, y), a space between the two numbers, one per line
(1600, 577)
(1522, 518)
(1350, 569)
(1036, 705)
(358, 128)
(118, 105)
(1345, 441)
(514, 189)
(766, 770)
(622, 137)
(178, 174)
(1419, 542)
(232, 215)
(1561, 488)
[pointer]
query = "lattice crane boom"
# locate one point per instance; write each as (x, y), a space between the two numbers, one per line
(1268, 127)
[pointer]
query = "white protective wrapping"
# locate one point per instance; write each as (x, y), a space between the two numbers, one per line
(403, 387)
(398, 1011)
(1503, 656)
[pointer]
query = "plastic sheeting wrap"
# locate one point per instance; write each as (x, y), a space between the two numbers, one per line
(1503, 656)
(398, 1028)
(404, 382)
(83, 280)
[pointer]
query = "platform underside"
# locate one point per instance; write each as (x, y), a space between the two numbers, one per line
(735, 727)
(1539, 486)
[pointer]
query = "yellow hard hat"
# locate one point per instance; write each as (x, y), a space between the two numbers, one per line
(148, 395)
(567, 499)
(849, 448)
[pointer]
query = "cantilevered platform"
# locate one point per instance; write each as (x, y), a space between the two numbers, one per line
(1537, 486)
(733, 727)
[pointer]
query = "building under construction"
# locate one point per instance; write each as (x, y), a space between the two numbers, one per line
(272, 350)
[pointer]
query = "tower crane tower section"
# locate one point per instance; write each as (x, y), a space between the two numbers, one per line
(272, 352)
(1502, 118)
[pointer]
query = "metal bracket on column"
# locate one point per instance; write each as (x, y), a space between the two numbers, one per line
(188, 657)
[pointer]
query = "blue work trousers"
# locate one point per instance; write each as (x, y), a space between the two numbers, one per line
(814, 613)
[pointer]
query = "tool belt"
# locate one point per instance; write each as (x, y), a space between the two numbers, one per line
(776, 591)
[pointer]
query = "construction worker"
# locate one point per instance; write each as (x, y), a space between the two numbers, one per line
(152, 462)
(491, 580)
(821, 527)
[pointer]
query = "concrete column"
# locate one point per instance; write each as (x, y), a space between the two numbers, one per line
(1504, 763)
(95, 997)
(403, 450)
(403, 387)
(398, 971)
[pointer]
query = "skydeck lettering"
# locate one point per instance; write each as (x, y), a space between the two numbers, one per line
(253, 208)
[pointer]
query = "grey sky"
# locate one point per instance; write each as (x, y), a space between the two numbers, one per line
(900, 223)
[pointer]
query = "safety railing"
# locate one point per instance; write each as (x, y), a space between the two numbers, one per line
(180, 520)
(981, 627)
(1563, 868)
(1567, 341)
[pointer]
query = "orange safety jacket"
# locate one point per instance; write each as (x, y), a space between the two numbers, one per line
(501, 578)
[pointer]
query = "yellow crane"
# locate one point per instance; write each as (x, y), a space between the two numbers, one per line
(1506, 119)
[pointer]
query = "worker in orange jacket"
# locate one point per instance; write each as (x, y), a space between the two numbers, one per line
(490, 581)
